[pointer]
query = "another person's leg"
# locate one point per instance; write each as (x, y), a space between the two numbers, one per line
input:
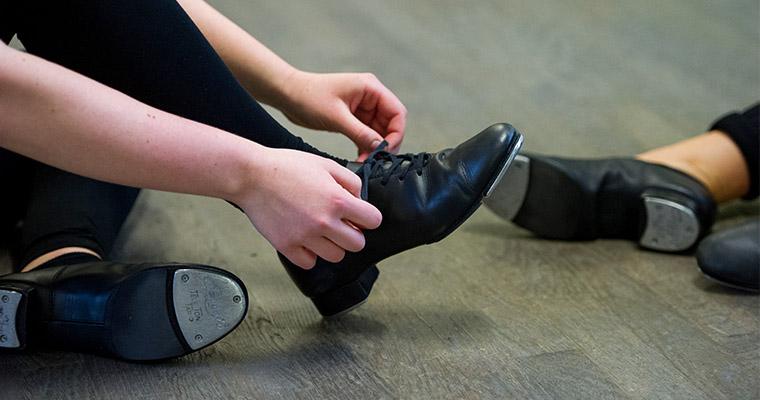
(732, 256)
(725, 159)
(664, 198)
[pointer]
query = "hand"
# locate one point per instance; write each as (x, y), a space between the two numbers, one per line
(308, 206)
(356, 105)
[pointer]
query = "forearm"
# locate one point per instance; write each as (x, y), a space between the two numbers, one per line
(60, 118)
(263, 73)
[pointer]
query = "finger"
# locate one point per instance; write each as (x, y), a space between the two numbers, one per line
(345, 178)
(396, 128)
(394, 142)
(301, 257)
(362, 156)
(362, 214)
(362, 135)
(391, 108)
(326, 249)
(346, 236)
(388, 118)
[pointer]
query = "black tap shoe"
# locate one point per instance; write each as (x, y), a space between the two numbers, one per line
(732, 257)
(574, 199)
(134, 312)
(423, 198)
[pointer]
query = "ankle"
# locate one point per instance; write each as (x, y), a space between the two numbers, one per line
(711, 158)
(55, 257)
(688, 167)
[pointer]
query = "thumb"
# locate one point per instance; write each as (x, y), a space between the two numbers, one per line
(365, 138)
(344, 177)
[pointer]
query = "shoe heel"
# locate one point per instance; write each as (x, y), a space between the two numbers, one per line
(342, 300)
(165, 312)
(668, 222)
(208, 305)
(509, 194)
(13, 317)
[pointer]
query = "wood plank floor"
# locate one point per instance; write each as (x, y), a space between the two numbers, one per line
(491, 312)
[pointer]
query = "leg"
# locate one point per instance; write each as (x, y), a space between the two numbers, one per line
(15, 172)
(68, 214)
(724, 159)
(152, 51)
(664, 198)
(154, 311)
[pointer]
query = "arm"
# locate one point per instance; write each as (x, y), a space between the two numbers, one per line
(66, 120)
(357, 105)
(71, 122)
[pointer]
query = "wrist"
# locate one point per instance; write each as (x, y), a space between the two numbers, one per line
(289, 90)
(248, 163)
(272, 87)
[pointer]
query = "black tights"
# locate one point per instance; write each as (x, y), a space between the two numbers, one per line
(150, 50)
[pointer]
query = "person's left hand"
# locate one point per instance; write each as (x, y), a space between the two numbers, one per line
(356, 105)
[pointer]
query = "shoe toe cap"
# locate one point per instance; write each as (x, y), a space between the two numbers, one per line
(731, 258)
(485, 153)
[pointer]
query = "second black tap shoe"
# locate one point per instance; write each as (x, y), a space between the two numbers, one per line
(423, 197)
(575, 199)
(732, 257)
(138, 312)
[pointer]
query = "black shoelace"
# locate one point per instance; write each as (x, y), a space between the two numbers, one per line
(382, 163)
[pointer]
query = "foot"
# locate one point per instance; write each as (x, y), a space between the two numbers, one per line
(423, 198)
(134, 312)
(575, 199)
(732, 257)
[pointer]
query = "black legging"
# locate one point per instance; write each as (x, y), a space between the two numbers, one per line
(150, 50)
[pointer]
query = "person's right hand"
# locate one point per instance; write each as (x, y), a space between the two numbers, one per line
(307, 206)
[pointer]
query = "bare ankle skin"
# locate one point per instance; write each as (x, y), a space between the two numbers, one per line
(711, 158)
(57, 253)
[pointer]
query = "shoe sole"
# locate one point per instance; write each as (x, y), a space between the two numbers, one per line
(341, 301)
(728, 284)
(156, 314)
(542, 198)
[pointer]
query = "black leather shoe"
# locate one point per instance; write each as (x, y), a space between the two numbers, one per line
(574, 199)
(732, 257)
(423, 198)
(134, 312)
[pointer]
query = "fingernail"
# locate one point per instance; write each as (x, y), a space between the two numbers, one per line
(376, 143)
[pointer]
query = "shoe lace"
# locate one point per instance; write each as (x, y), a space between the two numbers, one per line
(381, 163)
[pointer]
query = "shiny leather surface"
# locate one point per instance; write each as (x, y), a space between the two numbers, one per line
(70, 305)
(609, 200)
(76, 293)
(419, 208)
(732, 256)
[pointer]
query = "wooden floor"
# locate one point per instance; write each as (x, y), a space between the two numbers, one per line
(490, 312)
